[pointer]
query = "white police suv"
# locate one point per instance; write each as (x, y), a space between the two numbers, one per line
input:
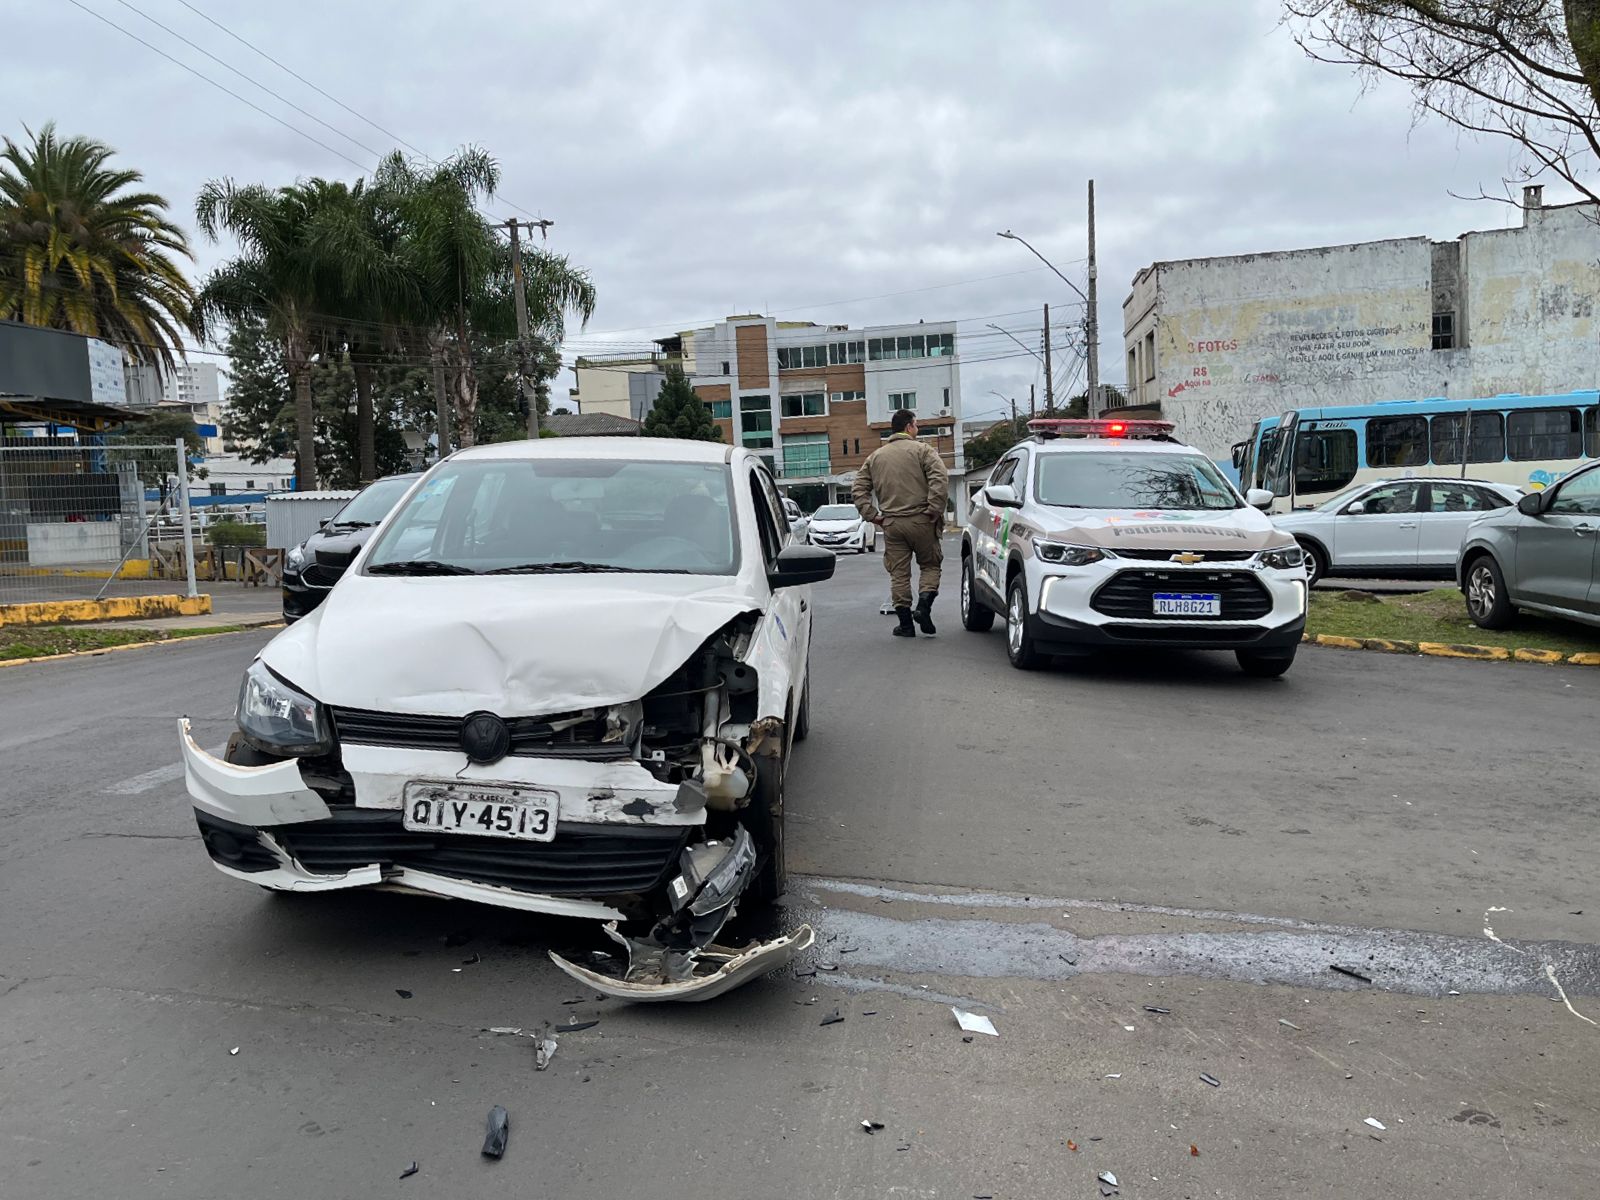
(1110, 533)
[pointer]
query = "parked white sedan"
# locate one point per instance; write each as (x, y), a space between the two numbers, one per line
(841, 528)
(1394, 528)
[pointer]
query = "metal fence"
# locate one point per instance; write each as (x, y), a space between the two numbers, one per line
(82, 521)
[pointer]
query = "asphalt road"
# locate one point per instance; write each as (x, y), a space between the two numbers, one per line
(1056, 850)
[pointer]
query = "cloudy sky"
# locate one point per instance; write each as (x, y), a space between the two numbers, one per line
(837, 162)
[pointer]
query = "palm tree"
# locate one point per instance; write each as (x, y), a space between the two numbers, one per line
(81, 252)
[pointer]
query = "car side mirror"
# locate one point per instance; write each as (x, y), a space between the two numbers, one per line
(801, 564)
(1532, 504)
(1002, 495)
(323, 524)
(1355, 509)
(1259, 498)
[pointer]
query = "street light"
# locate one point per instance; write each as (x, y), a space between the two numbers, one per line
(1017, 238)
(1014, 338)
(1091, 317)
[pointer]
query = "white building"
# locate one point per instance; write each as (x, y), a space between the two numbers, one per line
(192, 386)
(1217, 343)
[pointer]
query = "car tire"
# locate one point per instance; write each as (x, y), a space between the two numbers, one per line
(1259, 665)
(1485, 591)
(1316, 562)
(763, 817)
(802, 716)
(976, 616)
(1020, 648)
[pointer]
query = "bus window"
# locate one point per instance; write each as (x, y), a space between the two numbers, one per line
(1397, 441)
(1536, 434)
(1591, 422)
(1325, 460)
(1256, 473)
(1488, 437)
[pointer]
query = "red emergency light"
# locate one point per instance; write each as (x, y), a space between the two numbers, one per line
(1100, 428)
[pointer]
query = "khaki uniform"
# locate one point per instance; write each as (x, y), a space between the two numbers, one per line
(903, 483)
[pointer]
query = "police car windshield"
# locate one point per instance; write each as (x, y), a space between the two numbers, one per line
(1113, 479)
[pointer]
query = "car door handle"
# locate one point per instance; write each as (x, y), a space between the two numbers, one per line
(804, 604)
(1580, 530)
(1406, 525)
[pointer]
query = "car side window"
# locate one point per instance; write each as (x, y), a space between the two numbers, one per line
(780, 515)
(766, 523)
(1493, 500)
(1578, 496)
(1390, 499)
(1456, 498)
(1003, 470)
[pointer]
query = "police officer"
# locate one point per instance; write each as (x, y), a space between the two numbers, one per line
(901, 487)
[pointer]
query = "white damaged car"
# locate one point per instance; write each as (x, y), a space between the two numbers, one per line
(577, 697)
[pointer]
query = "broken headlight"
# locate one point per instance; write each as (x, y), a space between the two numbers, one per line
(276, 718)
(1285, 558)
(1069, 556)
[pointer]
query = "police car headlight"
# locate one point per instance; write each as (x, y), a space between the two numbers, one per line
(1285, 558)
(1069, 556)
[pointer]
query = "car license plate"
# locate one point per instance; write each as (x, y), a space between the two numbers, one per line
(527, 814)
(1188, 604)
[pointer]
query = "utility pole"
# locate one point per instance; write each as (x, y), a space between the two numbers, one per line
(1049, 387)
(1093, 330)
(530, 401)
(442, 401)
(1032, 411)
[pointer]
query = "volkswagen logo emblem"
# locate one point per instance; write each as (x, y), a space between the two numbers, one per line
(485, 737)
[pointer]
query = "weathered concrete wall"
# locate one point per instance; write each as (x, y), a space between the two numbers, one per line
(1249, 336)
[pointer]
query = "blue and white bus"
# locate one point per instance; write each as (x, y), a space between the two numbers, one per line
(1528, 441)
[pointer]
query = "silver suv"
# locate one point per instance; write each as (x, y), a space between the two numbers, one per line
(1109, 533)
(1542, 555)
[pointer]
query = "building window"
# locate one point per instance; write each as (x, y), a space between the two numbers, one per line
(874, 349)
(1444, 331)
(725, 370)
(844, 445)
(805, 454)
(941, 345)
(840, 353)
(791, 357)
(855, 352)
(1133, 369)
(858, 445)
(1150, 356)
(720, 408)
(899, 400)
(1534, 435)
(219, 489)
(809, 404)
(1397, 441)
(1488, 437)
(845, 397)
(249, 485)
(903, 347)
(755, 421)
(947, 399)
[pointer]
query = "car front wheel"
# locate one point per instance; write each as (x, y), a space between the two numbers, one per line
(976, 616)
(764, 819)
(1264, 666)
(1020, 647)
(1487, 602)
(1316, 562)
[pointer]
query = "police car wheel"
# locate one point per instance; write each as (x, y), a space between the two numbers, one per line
(976, 616)
(1019, 642)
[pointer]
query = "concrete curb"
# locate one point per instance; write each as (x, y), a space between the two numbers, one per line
(200, 637)
(118, 608)
(1453, 650)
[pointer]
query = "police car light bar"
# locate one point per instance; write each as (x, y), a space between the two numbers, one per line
(1102, 427)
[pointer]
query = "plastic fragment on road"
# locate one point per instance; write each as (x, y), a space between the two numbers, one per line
(235, 1050)
(511, 1029)
(1211, 1079)
(1352, 974)
(544, 1047)
(1375, 1123)
(975, 1022)
(1287, 1024)
(402, 993)
(410, 1170)
(1118, 1075)
(1194, 1151)
(575, 1026)
(1127, 1028)
(496, 1130)
(834, 1018)
(871, 1126)
(1072, 1145)
(1164, 1012)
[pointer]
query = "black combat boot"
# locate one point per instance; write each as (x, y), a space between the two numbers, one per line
(925, 612)
(905, 628)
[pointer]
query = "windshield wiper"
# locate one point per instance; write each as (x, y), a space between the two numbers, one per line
(576, 567)
(351, 524)
(419, 566)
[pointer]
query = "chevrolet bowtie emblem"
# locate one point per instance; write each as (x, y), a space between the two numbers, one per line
(1188, 558)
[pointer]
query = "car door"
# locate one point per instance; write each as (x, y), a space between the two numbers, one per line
(1379, 528)
(1447, 510)
(991, 523)
(789, 608)
(1555, 560)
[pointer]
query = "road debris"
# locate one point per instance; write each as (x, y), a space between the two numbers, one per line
(1194, 1151)
(1287, 1024)
(511, 1029)
(476, 958)
(1348, 971)
(975, 1022)
(1211, 1079)
(411, 1170)
(872, 1126)
(544, 1048)
(402, 993)
(1127, 1028)
(827, 966)
(1164, 1012)
(496, 1131)
(235, 1050)
(1108, 1183)
(1118, 1075)
(1375, 1123)
(1072, 1145)
(834, 1018)
(575, 1026)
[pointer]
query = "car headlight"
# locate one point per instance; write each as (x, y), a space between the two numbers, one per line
(278, 719)
(1285, 558)
(1069, 556)
(295, 560)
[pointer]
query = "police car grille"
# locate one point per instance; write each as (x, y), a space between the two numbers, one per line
(1166, 555)
(1130, 595)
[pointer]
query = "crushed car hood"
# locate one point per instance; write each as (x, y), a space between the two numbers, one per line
(1233, 529)
(517, 645)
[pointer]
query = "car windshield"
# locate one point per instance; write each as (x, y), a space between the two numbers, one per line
(1130, 479)
(836, 512)
(482, 516)
(373, 504)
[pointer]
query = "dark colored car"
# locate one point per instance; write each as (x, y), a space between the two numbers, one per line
(306, 580)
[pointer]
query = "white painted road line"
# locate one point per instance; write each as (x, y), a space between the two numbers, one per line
(135, 784)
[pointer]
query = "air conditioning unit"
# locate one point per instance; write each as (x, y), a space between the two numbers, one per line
(944, 412)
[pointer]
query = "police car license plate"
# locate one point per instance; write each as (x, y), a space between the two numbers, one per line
(527, 814)
(1188, 604)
